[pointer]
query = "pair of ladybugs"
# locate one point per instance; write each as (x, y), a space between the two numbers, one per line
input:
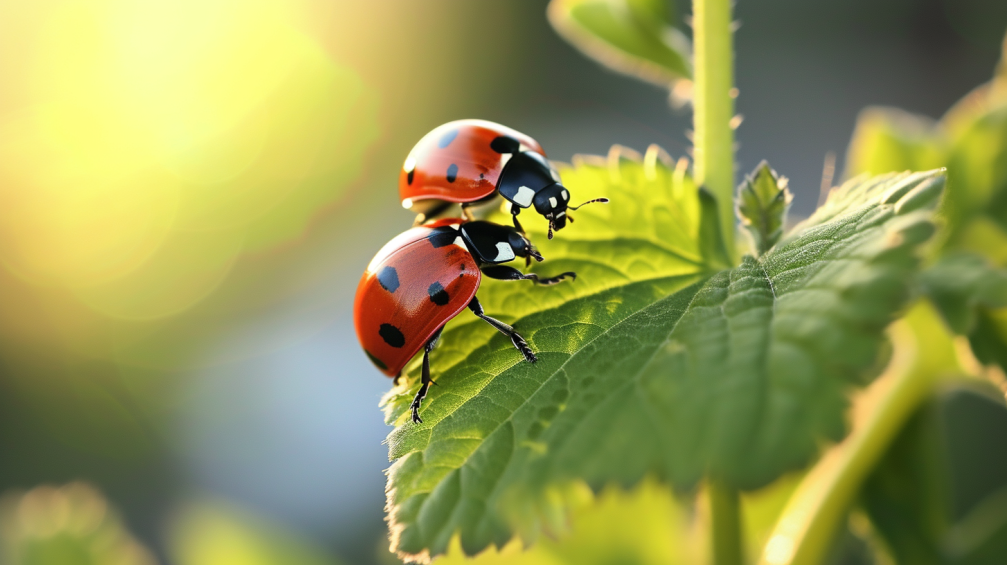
(430, 273)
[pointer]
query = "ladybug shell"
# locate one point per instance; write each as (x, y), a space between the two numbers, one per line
(417, 282)
(460, 161)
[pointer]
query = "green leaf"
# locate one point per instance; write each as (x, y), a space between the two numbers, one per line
(656, 360)
(940, 494)
(634, 37)
(989, 337)
(970, 140)
(962, 283)
(889, 139)
(648, 525)
(763, 202)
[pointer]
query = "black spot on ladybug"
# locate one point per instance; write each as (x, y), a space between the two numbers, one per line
(392, 335)
(481, 176)
(438, 295)
(447, 138)
(452, 172)
(377, 362)
(443, 236)
(505, 144)
(462, 266)
(409, 176)
(388, 278)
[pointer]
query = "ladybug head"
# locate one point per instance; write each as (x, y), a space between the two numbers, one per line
(553, 202)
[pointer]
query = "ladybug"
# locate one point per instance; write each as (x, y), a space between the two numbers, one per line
(426, 276)
(469, 162)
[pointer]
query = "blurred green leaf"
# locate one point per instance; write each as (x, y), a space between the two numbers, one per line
(216, 534)
(940, 494)
(647, 525)
(970, 140)
(889, 139)
(634, 37)
(69, 525)
(656, 360)
(989, 337)
(763, 202)
(961, 283)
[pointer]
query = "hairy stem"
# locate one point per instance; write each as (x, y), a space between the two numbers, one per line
(725, 518)
(714, 107)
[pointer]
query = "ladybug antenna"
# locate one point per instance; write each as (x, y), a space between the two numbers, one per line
(603, 200)
(534, 253)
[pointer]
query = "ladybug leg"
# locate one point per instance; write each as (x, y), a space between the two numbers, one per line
(515, 210)
(508, 331)
(425, 380)
(505, 273)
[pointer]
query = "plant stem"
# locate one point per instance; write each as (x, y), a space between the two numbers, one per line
(713, 107)
(725, 518)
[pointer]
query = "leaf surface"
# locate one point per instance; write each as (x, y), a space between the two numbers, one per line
(660, 359)
(634, 37)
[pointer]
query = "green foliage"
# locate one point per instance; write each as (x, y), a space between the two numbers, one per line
(70, 525)
(647, 525)
(971, 140)
(961, 284)
(659, 359)
(635, 37)
(940, 494)
(213, 534)
(763, 202)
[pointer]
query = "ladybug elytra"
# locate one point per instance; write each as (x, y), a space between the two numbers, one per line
(426, 276)
(469, 162)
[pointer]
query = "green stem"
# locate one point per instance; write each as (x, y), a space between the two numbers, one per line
(725, 518)
(714, 107)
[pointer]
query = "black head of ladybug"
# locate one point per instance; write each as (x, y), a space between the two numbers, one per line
(529, 180)
(495, 243)
(553, 202)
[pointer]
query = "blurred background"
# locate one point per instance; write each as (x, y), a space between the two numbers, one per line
(189, 191)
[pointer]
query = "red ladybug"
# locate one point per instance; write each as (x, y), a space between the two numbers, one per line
(470, 161)
(426, 276)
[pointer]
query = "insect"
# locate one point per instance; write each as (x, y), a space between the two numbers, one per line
(471, 161)
(426, 276)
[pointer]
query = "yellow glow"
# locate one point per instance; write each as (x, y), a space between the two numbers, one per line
(779, 549)
(149, 144)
